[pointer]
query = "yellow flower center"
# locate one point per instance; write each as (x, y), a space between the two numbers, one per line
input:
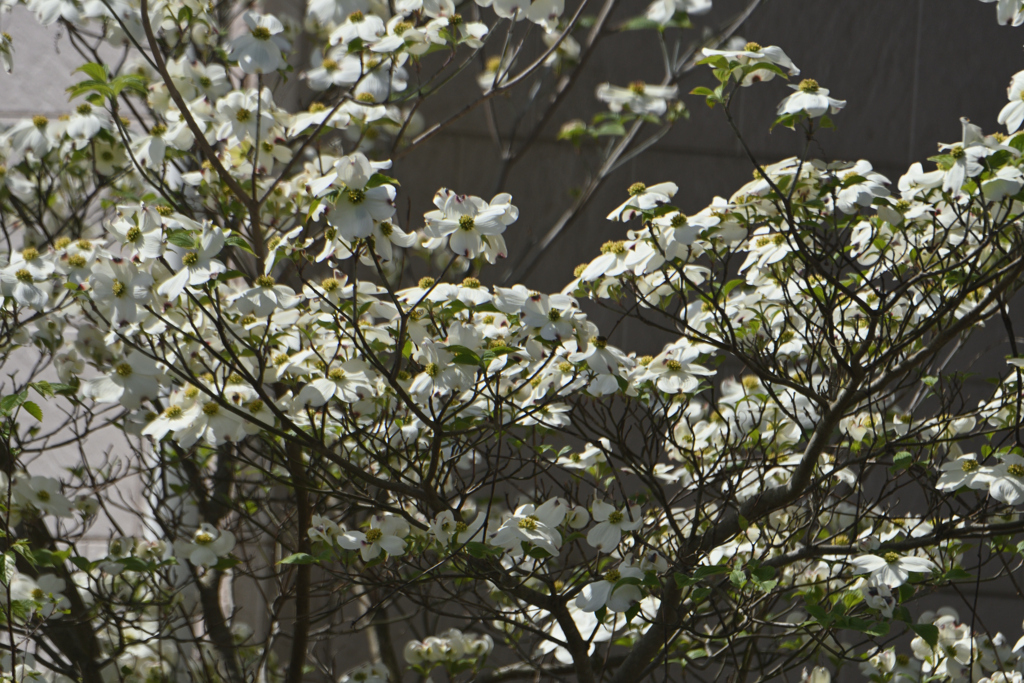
(969, 466)
(891, 557)
(636, 189)
(466, 223)
(426, 282)
(265, 281)
(374, 535)
(40, 121)
(638, 87)
(210, 409)
(356, 196)
(23, 275)
(124, 370)
(261, 33)
(330, 65)
(617, 247)
(190, 258)
(752, 47)
(809, 85)
(529, 523)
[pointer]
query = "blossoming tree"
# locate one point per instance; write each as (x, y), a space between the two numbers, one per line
(332, 414)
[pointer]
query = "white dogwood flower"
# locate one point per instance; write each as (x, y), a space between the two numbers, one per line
(259, 50)
(811, 99)
(605, 536)
(891, 569)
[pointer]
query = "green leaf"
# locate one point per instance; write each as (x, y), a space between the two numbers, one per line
(481, 550)
(609, 129)
(238, 241)
(135, 564)
(627, 581)
(632, 612)
(929, 632)
(958, 574)
(298, 558)
(183, 239)
(538, 553)
(378, 179)
(819, 613)
(48, 558)
(226, 563)
(852, 598)
(706, 92)
(95, 71)
(639, 24)
(765, 66)
(133, 82)
(89, 86)
(716, 62)
(9, 403)
(33, 410)
(7, 570)
(82, 563)
(902, 460)
(702, 572)
(738, 577)
(464, 355)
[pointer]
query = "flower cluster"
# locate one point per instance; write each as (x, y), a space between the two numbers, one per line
(304, 372)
